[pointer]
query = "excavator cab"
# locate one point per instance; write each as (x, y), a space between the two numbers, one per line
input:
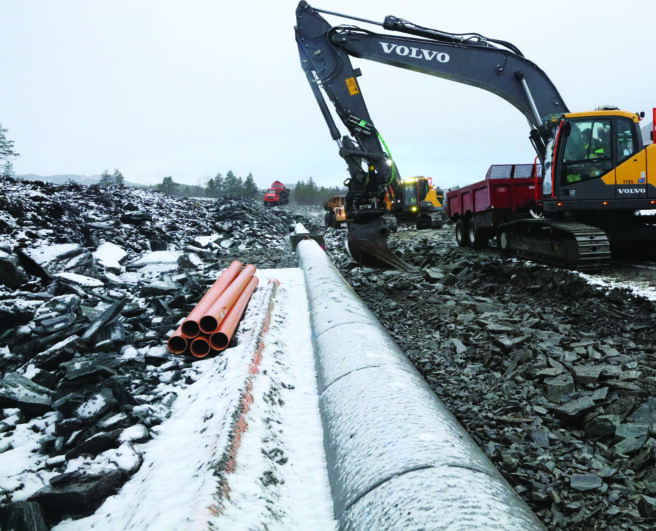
(598, 157)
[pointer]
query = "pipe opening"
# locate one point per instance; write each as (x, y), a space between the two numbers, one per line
(190, 328)
(219, 341)
(200, 347)
(208, 324)
(177, 344)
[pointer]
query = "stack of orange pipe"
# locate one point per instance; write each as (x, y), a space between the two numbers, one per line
(218, 312)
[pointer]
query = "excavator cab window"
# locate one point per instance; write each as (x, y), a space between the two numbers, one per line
(626, 140)
(415, 191)
(422, 189)
(410, 193)
(587, 152)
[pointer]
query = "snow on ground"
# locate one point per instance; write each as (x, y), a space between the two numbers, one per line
(279, 479)
(643, 286)
(283, 446)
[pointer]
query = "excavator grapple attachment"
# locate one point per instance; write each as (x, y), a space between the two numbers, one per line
(367, 245)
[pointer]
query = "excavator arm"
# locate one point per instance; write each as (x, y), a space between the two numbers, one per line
(491, 64)
(328, 68)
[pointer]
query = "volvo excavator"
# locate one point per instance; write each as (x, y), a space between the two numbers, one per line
(595, 173)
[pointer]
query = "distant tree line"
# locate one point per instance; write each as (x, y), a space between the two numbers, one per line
(308, 193)
(107, 178)
(303, 193)
(217, 186)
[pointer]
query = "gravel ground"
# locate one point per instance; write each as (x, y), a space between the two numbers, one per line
(552, 376)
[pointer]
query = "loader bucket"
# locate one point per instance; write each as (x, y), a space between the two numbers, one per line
(367, 245)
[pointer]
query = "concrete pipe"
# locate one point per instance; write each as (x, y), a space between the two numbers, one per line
(397, 458)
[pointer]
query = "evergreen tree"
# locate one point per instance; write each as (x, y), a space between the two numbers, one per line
(211, 188)
(8, 169)
(250, 190)
(239, 186)
(167, 186)
(106, 179)
(299, 193)
(6, 145)
(118, 178)
(310, 194)
(219, 183)
(230, 184)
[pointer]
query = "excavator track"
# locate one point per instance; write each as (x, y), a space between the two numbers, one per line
(562, 244)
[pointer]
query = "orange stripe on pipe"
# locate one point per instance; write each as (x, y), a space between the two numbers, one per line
(220, 339)
(240, 425)
(212, 318)
(190, 326)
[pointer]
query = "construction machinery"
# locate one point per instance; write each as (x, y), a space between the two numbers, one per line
(420, 203)
(593, 174)
(416, 200)
(335, 212)
(277, 194)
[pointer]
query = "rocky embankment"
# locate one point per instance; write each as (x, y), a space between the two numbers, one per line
(554, 378)
(92, 282)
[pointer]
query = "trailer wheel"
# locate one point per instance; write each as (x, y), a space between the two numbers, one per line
(477, 237)
(462, 236)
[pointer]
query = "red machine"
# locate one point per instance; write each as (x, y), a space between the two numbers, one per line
(277, 194)
(478, 209)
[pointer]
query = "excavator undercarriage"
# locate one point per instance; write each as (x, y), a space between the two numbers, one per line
(562, 244)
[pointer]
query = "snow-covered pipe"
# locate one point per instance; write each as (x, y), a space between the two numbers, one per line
(397, 458)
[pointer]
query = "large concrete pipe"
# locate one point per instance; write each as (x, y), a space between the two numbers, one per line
(397, 458)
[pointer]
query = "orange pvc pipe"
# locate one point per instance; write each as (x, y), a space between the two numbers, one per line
(190, 326)
(200, 346)
(220, 339)
(177, 343)
(213, 316)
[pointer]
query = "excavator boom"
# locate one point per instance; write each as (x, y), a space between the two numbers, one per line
(325, 53)
(611, 175)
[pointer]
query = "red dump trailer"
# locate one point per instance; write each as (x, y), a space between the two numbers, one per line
(508, 191)
(277, 194)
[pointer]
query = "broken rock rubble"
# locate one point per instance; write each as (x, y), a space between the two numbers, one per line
(554, 378)
(93, 282)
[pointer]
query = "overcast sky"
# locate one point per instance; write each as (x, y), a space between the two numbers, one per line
(189, 89)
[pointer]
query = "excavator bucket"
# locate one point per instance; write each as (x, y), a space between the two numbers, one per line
(367, 245)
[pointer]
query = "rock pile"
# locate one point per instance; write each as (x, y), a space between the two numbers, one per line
(92, 282)
(554, 378)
